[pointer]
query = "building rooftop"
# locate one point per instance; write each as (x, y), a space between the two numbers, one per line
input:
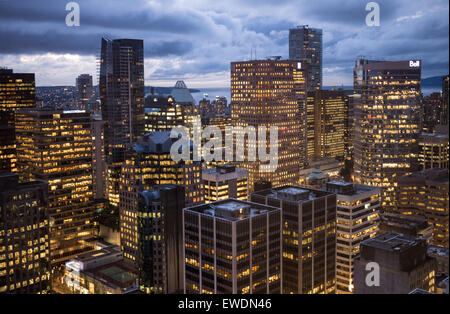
(293, 193)
(232, 209)
(348, 188)
(391, 241)
(181, 93)
(437, 250)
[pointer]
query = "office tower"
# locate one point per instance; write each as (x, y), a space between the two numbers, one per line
(98, 157)
(433, 150)
(308, 240)
(271, 93)
(349, 119)
(162, 113)
(182, 96)
(445, 99)
(99, 272)
(403, 265)
(425, 193)
(305, 44)
(121, 87)
(205, 108)
(24, 236)
(387, 123)
(412, 225)
(160, 262)
(232, 246)
(150, 164)
(56, 146)
(84, 93)
(17, 90)
(326, 114)
(357, 220)
(225, 182)
(221, 121)
(432, 107)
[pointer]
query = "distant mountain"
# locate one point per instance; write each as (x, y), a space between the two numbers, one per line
(435, 81)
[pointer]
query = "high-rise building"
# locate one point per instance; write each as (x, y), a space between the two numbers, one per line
(24, 236)
(349, 120)
(151, 164)
(225, 182)
(432, 109)
(387, 123)
(271, 93)
(121, 87)
(17, 90)
(162, 113)
(84, 93)
(412, 225)
(56, 146)
(326, 114)
(425, 193)
(98, 157)
(403, 265)
(357, 220)
(433, 150)
(308, 237)
(445, 99)
(305, 44)
(232, 246)
(222, 122)
(160, 262)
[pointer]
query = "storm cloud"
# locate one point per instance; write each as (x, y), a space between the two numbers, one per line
(196, 40)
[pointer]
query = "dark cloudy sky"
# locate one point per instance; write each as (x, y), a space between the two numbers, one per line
(196, 40)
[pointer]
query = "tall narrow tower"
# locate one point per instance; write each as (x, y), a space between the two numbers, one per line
(122, 101)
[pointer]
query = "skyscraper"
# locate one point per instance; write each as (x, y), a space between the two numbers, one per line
(387, 123)
(151, 164)
(122, 103)
(357, 221)
(56, 146)
(160, 261)
(403, 265)
(272, 93)
(225, 182)
(326, 112)
(17, 90)
(445, 99)
(425, 193)
(305, 45)
(433, 150)
(232, 246)
(84, 91)
(24, 236)
(308, 237)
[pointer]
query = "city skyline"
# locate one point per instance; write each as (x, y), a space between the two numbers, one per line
(196, 40)
(323, 170)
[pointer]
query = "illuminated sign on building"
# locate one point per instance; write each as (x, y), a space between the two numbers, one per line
(414, 64)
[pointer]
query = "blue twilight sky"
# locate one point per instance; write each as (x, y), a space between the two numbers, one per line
(196, 40)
